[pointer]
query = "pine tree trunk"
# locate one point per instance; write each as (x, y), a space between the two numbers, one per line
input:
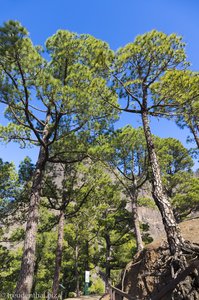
(25, 281)
(87, 255)
(76, 270)
(108, 268)
(174, 237)
(37, 262)
(58, 258)
(194, 132)
(136, 223)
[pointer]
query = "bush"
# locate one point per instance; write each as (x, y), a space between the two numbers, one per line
(97, 287)
(146, 201)
(72, 295)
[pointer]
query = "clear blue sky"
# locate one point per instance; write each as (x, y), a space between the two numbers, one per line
(115, 21)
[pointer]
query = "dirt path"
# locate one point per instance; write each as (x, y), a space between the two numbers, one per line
(88, 297)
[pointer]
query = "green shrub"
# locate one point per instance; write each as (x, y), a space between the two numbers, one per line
(72, 295)
(146, 201)
(97, 287)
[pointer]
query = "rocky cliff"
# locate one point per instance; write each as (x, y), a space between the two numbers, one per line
(150, 271)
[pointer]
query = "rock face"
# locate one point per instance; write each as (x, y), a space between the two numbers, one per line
(152, 218)
(150, 271)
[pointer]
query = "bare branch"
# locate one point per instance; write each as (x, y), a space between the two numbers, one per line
(65, 161)
(38, 109)
(128, 90)
(69, 215)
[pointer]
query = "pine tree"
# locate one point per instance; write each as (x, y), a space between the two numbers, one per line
(138, 65)
(48, 102)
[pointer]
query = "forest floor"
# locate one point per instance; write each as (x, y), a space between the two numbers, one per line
(87, 297)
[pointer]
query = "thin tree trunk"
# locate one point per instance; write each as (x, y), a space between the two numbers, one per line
(136, 223)
(194, 132)
(76, 270)
(174, 237)
(87, 255)
(25, 281)
(39, 255)
(35, 276)
(108, 268)
(58, 258)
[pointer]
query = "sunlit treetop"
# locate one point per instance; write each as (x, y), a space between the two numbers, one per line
(41, 95)
(141, 63)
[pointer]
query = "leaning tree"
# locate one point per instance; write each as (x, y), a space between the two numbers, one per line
(137, 67)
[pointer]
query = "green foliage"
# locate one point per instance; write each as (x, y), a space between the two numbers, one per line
(179, 86)
(97, 286)
(145, 234)
(17, 235)
(185, 196)
(10, 263)
(26, 168)
(71, 294)
(62, 96)
(129, 151)
(14, 192)
(8, 181)
(179, 90)
(143, 62)
(175, 163)
(82, 48)
(173, 156)
(15, 132)
(146, 201)
(178, 180)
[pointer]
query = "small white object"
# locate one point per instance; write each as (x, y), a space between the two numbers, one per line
(87, 276)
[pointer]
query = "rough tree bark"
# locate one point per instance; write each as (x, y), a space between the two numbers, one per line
(194, 132)
(58, 258)
(174, 237)
(136, 223)
(108, 268)
(25, 281)
(37, 262)
(76, 270)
